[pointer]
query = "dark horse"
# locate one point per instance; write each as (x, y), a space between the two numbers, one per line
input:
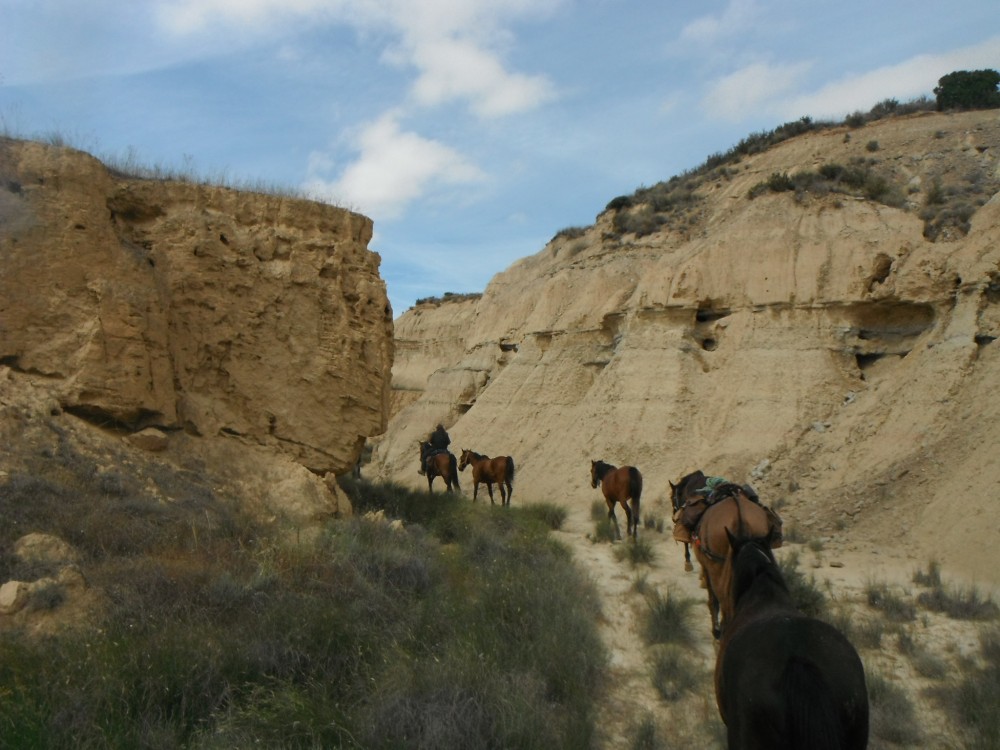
(439, 464)
(732, 511)
(782, 679)
(618, 486)
(486, 470)
(686, 489)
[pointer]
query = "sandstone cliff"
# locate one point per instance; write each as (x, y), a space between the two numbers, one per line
(203, 311)
(834, 347)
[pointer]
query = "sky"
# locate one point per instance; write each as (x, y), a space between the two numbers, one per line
(469, 131)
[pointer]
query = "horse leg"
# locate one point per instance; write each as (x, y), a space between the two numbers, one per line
(489, 487)
(506, 499)
(687, 558)
(713, 609)
(475, 490)
(631, 522)
(430, 483)
(614, 519)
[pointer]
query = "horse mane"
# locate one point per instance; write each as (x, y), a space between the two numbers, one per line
(754, 565)
(602, 467)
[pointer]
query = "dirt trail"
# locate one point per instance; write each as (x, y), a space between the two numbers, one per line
(842, 568)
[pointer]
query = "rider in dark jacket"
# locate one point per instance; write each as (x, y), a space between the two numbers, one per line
(439, 441)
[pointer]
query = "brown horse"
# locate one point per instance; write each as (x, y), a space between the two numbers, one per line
(731, 512)
(686, 489)
(439, 464)
(486, 470)
(619, 485)
(783, 679)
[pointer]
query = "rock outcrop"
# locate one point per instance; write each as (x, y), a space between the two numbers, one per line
(833, 346)
(149, 303)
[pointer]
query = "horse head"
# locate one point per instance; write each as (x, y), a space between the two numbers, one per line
(465, 459)
(751, 558)
(593, 473)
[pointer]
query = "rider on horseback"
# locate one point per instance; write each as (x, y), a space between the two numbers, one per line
(439, 442)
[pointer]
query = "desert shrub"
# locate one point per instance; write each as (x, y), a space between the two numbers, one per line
(570, 233)
(881, 597)
(645, 735)
(966, 603)
(868, 632)
(872, 146)
(929, 665)
(675, 672)
(552, 515)
(668, 619)
(893, 716)
(806, 594)
(469, 627)
(637, 552)
(973, 700)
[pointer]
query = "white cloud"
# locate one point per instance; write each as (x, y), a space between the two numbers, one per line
(456, 69)
(455, 46)
(906, 80)
(394, 167)
(776, 90)
(751, 89)
(736, 17)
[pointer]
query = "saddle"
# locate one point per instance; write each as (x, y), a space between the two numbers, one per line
(688, 516)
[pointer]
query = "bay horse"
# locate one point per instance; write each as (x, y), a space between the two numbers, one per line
(619, 484)
(686, 489)
(784, 679)
(439, 464)
(732, 511)
(486, 470)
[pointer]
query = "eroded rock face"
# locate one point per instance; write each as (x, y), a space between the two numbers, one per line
(719, 341)
(149, 303)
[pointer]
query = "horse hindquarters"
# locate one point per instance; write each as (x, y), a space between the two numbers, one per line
(635, 491)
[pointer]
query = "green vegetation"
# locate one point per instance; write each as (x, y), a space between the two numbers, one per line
(449, 297)
(893, 715)
(858, 179)
(896, 608)
(668, 619)
(466, 628)
(964, 89)
(806, 595)
(637, 552)
(973, 700)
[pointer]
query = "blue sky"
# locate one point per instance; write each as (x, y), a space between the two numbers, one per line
(470, 131)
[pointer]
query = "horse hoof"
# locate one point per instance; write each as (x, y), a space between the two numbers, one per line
(688, 567)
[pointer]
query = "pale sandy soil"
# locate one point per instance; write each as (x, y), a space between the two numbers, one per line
(844, 569)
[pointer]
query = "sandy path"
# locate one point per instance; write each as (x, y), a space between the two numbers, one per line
(843, 567)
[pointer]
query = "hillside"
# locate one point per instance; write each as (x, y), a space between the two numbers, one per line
(819, 319)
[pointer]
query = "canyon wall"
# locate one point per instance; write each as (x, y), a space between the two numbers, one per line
(204, 312)
(832, 344)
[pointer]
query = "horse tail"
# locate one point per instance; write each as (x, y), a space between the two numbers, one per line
(635, 490)
(453, 463)
(510, 469)
(810, 713)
